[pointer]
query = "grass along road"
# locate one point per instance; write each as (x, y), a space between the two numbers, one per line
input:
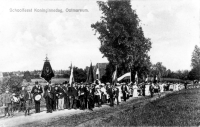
(177, 109)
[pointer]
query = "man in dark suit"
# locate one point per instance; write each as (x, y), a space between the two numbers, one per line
(71, 93)
(124, 90)
(37, 90)
(82, 97)
(53, 98)
(48, 95)
(66, 96)
(111, 93)
(75, 95)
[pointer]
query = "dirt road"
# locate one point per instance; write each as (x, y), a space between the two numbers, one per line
(76, 117)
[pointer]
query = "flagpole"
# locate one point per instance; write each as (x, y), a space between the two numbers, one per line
(130, 75)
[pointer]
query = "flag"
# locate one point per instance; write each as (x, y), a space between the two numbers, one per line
(97, 72)
(147, 78)
(71, 79)
(114, 76)
(126, 76)
(136, 77)
(47, 72)
(90, 76)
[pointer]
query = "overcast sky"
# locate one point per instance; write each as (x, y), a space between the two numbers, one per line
(26, 37)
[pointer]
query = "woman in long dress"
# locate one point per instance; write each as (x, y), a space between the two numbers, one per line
(135, 92)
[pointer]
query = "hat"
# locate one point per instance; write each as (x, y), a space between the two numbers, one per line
(36, 82)
(7, 89)
(13, 94)
(107, 83)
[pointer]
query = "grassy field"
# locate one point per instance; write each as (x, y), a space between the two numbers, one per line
(177, 109)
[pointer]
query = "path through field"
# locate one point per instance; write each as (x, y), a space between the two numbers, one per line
(75, 117)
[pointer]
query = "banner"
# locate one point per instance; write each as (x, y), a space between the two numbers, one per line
(114, 76)
(47, 72)
(90, 76)
(127, 76)
(97, 73)
(71, 79)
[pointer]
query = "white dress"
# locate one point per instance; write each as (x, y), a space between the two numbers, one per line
(120, 94)
(162, 88)
(135, 92)
(147, 92)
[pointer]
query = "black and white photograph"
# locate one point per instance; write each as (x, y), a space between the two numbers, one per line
(99, 63)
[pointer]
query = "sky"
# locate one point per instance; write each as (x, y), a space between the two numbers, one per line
(26, 37)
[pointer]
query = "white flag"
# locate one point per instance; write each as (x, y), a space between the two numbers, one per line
(97, 72)
(71, 79)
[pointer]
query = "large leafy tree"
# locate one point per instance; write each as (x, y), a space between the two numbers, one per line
(27, 76)
(122, 38)
(194, 74)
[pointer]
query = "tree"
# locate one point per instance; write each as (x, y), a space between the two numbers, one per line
(122, 38)
(79, 74)
(194, 74)
(13, 83)
(27, 76)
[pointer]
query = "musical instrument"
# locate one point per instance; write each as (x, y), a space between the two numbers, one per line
(15, 99)
(38, 97)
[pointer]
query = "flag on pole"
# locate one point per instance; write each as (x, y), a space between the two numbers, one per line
(125, 76)
(136, 77)
(147, 78)
(114, 76)
(97, 72)
(90, 76)
(47, 72)
(71, 79)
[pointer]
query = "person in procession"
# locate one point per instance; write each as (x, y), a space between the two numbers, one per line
(66, 96)
(28, 101)
(124, 91)
(54, 98)
(48, 95)
(6, 99)
(75, 94)
(82, 97)
(110, 92)
(22, 94)
(61, 92)
(151, 89)
(116, 91)
(37, 91)
(90, 99)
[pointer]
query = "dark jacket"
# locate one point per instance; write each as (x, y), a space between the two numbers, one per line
(124, 88)
(61, 92)
(117, 92)
(36, 90)
(50, 93)
(110, 92)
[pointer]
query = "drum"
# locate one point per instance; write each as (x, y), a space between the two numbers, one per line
(15, 99)
(38, 97)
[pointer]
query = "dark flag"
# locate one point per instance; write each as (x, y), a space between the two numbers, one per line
(90, 76)
(47, 72)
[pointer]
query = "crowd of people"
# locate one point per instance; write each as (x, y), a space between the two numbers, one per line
(78, 95)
